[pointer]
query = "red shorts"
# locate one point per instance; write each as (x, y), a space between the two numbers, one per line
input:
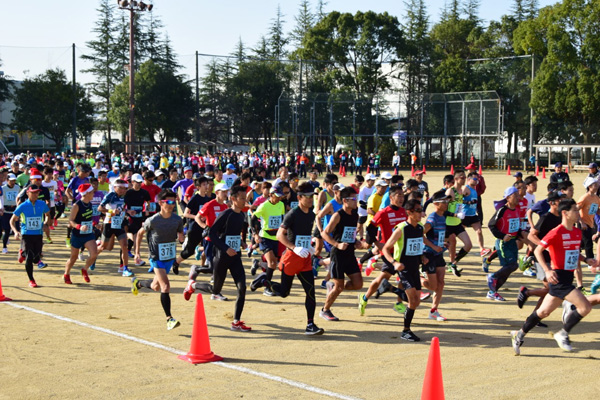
(292, 264)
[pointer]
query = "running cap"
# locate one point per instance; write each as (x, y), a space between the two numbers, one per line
(222, 186)
(381, 182)
(593, 165)
(510, 191)
(33, 189)
(471, 166)
(370, 177)
(518, 175)
(159, 173)
(231, 166)
(338, 186)
(386, 175)
(589, 181)
(558, 165)
(186, 169)
(137, 178)
(440, 197)
(277, 191)
(12, 177)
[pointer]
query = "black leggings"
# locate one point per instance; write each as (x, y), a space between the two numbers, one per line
(5, 226)
(32, 249)
(587, 242)
(222, 263)
(503, 273)
(308, 284)
(192, 240)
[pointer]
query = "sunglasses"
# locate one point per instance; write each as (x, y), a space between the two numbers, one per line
(350, 198)
(286, 193)
(417, 210)
(169, 202)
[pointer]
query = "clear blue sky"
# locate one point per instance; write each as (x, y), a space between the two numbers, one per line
(36, 35)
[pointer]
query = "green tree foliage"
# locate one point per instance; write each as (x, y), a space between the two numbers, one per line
(44, 104)
(5, 92)
(164, 104)
(567, 83)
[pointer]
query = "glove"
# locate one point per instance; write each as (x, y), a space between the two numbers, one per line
(460, 215)
(312, 251)
(301, 252)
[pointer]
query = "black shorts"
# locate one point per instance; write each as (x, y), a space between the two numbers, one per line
(371, 236)
(388, 266)
(456, 230)
(435, 261)
(52, 212)
(343, 265)
(316, 233)
(362, 219)
(108, 232)
(410, 277)
(564, 285)
(470, 220)
(135, 224)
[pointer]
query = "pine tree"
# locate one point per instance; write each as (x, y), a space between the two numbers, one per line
(305, 20)
(277, 39)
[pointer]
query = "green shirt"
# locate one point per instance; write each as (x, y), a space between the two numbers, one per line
(271, 217)
(23, 179)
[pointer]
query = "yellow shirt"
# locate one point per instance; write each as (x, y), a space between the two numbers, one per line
(373, 203)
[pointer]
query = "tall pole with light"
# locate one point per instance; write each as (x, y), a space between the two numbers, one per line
(132, 7)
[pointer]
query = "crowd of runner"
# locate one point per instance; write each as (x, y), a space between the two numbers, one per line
(291, 217)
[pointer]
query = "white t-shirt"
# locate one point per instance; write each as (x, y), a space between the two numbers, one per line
(364, 195)
(53, 189)
(530, 197)
(229, 179)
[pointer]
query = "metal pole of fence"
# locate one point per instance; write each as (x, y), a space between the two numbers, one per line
(74, 129)
(445, 147)
(331, 127)
(481, 128)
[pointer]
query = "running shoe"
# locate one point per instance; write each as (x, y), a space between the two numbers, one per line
(189, 290)
(130, 254)
(42, 265)
(328, 315)
(172, 323)
(141, 263)
(313, 330)
(567, 309)
(360, 266)
(529, 272)
(497, 297)
(490, 295)
(370, 266)
(21, 256)
(516, 343)
(197, 253)
(409, 336)
(5, 251)
(80, 257)
(324, 285)
(239, 326)
(49, 240)
(563, 341)
(400, 308)
(330, 286)
(491, 282)
(85, 275)
(437, 316)
(583, 291)
(523, 296)
(315, 265)
(68, 243)
(255, 266)
(175, 269)
(51, 227)
(424, 295)
(259, 281)
(454, 269)
(384, 286)
(268, 292)
(362, 304)
(541, 325)
(127, 272)
(218, 296)
(248, 250)
(67, 279)
(120, 270)
(134, 286)
(32, 284)
(485, 252)
(485, 265)
(593, 288)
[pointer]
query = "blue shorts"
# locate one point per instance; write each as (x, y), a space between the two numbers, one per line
(327, 246)
(166, 265)
(267, 245)
(79, 242)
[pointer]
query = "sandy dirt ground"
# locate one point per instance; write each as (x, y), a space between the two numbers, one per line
(357, 357)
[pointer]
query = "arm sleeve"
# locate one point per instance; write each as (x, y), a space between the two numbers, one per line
(492, 224)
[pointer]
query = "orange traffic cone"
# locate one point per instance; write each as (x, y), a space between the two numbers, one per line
(368, 169)
(412, 170)
(537, 170)
(344, 171)
(424, 170)
(544, 173)
(480, 171)
(508, 170)
(340, 171)
(200, 349)
(452, 169)
(2, 296)
(567, 169)
(395, 171)
(433, 384)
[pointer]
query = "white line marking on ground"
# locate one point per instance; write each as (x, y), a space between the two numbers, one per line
(234, 367)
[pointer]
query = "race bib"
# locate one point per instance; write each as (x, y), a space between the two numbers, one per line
(414, 247)
(513, 225)
(571, 259)
(274, 222)
(229, 182)
(293, 204)
(116, 222)
(441, 238)
(89, 227)
(11, 198)
(303, 241)
(524, 225)
(95, 212)
(137, 210)
(349, 235)
(167, 251)
(33, 223)
(52, 195)
(234, 241)
(593, 209)
(152, 207)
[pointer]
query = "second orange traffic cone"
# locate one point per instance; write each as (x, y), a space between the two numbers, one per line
(508, 170)
(480, 171)
(2, 296)
(452, 169)
(412, 170)
(200, 349)
(433, 384)
(544, 173)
